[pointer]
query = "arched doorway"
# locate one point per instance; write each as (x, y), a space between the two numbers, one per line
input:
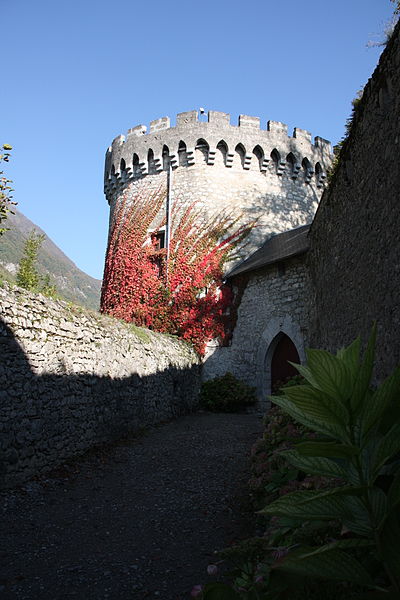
(283, 352)
(276, 328)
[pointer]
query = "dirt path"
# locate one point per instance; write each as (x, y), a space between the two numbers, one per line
(138, 520)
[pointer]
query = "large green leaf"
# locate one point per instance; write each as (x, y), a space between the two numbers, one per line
(387, 447)
(378, 505)
(219, 591)
(390, 545)
(314, 406)
(325, 563)
(388, 595)
(312, 505)
(326, 449)
(349, 543)
(394, 491)
(305, 372)
(377, 403)
(313, 399)
(299, 416)
(351, 357)
(332, 375)
(358, 519)
(364, 375)
(315, 465)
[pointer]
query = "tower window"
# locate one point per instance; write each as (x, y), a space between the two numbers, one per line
(158, 240)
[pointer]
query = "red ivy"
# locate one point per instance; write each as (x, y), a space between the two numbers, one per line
(181, 294)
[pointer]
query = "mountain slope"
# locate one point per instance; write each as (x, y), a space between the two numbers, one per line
(71, 283)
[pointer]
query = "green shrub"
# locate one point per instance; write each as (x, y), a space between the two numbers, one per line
(226, 394)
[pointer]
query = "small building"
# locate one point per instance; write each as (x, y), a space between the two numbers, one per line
(269, 318)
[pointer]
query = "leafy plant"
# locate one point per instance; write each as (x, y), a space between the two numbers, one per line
(226, 394)
(6, 201)
(359, 442)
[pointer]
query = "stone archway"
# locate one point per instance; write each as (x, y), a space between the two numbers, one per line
(283, 354)
(277, 329)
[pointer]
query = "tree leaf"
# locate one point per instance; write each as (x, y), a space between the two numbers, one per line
(326, 563)
(315, 465)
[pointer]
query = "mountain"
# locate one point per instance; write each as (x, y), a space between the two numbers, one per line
(71, 283)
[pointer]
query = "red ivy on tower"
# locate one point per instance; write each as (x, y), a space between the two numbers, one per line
(180, 291)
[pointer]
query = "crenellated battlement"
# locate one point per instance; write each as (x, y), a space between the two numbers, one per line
(140, 153)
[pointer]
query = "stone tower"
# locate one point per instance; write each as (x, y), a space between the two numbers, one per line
(262, 174)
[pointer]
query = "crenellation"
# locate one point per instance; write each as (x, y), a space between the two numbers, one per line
(162, 138)
(323, 144)
(302, 135)
(159, 124)
(138, 130)
(260, 173)
(277, 127)
(246, 122)
(186, 118)
(221, 119)
(118, 141)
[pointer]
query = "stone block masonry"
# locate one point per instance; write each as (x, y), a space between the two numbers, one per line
(70, 379)
(273, 302)
(354, 258)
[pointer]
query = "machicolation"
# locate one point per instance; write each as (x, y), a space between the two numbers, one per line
(261, 174)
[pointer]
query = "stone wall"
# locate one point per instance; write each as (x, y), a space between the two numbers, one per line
(355, 241)
(70, 379)
(274, 301)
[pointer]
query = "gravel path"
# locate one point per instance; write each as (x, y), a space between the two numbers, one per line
(139, 519)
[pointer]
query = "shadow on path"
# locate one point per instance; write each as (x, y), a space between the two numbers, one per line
(140, 520)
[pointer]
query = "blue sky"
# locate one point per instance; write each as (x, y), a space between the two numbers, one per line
(77, 74)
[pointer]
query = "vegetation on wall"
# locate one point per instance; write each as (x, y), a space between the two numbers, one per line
(179, 290)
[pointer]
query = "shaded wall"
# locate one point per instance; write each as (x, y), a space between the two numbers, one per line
(355, 237)
(70, 378)
(273, 300)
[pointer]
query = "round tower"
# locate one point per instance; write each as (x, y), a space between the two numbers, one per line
(263, 174)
